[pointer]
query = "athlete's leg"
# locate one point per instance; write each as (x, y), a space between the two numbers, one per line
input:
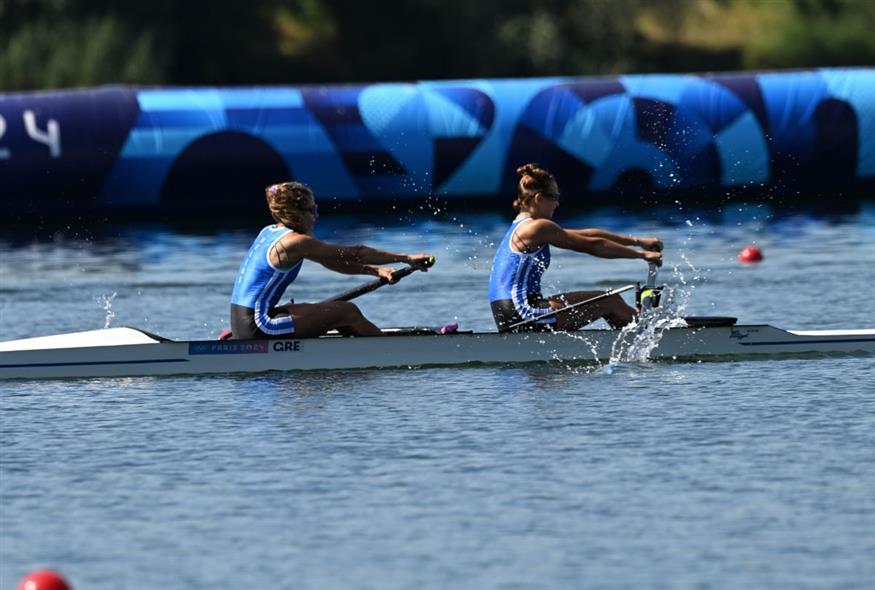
(613, 309)
(314, 319)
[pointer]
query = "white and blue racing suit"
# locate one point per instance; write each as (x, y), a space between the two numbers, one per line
(258, 288)
(515, 284)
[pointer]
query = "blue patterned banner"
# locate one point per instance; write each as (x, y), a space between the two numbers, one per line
(614, 140)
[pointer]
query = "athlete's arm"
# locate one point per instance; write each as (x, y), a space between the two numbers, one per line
(654, 244)
(543, 230)
(348, 259)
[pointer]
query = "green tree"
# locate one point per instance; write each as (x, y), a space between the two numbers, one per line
(59, 43)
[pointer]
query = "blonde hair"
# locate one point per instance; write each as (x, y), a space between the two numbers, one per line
(287, 200)
(534, 180)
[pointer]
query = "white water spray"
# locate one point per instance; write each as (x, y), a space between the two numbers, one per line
(106, 303)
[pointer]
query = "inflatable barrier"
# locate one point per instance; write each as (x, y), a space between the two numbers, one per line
(122, 151)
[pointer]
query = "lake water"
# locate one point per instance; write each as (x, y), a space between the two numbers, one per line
(622, 475)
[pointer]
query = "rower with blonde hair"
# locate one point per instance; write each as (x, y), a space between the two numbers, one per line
(274, 261)
(524, 254)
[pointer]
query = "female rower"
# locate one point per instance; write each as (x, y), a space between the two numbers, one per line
(274, 260)
(524, 255)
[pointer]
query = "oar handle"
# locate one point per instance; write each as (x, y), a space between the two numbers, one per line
(376, 284)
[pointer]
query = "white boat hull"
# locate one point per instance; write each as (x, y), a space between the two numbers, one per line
(129, 352)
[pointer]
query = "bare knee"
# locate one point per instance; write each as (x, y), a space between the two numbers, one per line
(617, 301)
(350, 312)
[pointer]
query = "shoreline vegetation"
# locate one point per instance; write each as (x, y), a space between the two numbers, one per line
(47, 44)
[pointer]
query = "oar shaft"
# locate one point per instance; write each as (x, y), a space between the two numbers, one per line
(652, 272)
(648, 297)
(549, 314)
(375, 284)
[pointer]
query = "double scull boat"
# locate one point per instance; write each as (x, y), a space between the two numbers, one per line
(118, 352)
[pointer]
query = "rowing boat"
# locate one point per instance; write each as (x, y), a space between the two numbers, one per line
(126, 351)
(122, 352)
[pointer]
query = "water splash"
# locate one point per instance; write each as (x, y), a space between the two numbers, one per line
(106, 303)
(637, 341)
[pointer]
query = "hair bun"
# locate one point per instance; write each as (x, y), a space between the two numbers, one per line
(526, 169)
(534, 180)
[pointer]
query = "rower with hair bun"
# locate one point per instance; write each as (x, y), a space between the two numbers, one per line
(274, 260)
(524, 254)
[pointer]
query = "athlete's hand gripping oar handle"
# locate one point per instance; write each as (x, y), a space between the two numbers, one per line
(549, 314)
(376, 284)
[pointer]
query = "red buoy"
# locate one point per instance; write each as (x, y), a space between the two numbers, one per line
(44, 580)
(750, 255)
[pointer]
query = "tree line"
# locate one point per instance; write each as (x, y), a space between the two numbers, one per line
(71, 43)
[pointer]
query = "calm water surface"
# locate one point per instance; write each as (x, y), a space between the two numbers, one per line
(707, 475)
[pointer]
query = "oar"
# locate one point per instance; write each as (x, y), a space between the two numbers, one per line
(648, 297)
(374, 285)
(652, 273)
(604, 295)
